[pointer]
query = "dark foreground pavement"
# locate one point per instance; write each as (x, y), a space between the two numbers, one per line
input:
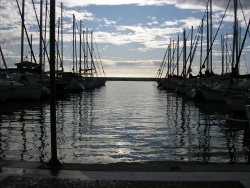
(150, 174)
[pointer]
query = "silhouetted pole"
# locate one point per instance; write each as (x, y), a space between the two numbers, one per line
(54, 162)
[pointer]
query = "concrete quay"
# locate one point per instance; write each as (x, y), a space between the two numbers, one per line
(148, 174)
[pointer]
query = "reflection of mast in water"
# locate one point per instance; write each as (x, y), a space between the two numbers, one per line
(74, 121)
(86, 116)
(2, 140)
(246, 142)
(61, 137)
(83, 108)
(203, 131)
(207, 138)
(23, 133)
(231, 137)
(43, 136)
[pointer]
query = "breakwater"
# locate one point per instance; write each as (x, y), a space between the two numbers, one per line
(130, 79)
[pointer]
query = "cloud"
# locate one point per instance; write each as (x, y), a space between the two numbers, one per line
(183, 4)
(145, 38)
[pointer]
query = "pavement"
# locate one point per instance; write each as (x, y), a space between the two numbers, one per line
(148, 174)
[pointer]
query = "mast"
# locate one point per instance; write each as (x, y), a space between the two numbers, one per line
(73, 43)
(211, 37)
(226, 53)
(84, 53)
(22, 40)
(62, 36)
(172, 59)
(41, 35)
(208, 59)
(177, 55)
(169, 56)
(22, 32)
(242, 45)
(86, 48)
(92, 50)
(54, 162)
(222, 52)
(235, 38)
(31, 41)
(191, 49)
(57, 57)
(184, 53)
(168, 60)
(75, 51)
(201, 53)
(45, 34)
(80, 54)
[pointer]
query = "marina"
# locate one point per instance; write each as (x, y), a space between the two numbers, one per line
(188, 112)
(123, 122)
(65, 122)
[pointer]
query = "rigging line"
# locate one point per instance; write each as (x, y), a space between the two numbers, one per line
(173, 56)
(91, 56)
(97, 63)
(209, 51)
(26, 32)
(164, 61)
(39, 27)
(244, 16)
(99, 57)
(4, 62)
(195, 44)
(161, 69)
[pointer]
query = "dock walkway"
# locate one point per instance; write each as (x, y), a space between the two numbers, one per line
(151, 174)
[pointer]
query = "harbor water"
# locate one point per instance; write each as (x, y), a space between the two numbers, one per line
(122, 122)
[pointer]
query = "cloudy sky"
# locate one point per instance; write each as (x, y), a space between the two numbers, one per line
(132, 36)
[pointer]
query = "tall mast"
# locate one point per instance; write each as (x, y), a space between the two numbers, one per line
(45, 33)
(222, 52)
(76, 68)
(84, 53)
(235, 39)
(92, 51)
(170, 55)
(211, 36)
(31, 41)
(184, 54)
(191, 47)
(87, 49)
(62, 36)
(80, 53)
(177, 59)
(73, 43)
(22, 32)
(226, 53)
(54, 162)
(168, 59)
(201, 53)
(208, 59)
(41, 35)
(57, 49)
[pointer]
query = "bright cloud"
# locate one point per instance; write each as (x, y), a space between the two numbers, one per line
(127, 39)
